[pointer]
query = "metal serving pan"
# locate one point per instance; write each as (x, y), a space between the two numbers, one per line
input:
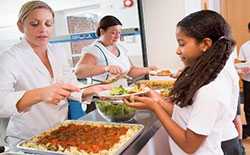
(117, 152)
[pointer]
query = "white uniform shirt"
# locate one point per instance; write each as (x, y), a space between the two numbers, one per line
(210, 113)
(244, 54)
(230, 130)
(105, 57)
(22, 70)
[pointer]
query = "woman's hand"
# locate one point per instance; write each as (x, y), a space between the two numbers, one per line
(150, 68)
(55, 93)
(95, 89)
(113, 69)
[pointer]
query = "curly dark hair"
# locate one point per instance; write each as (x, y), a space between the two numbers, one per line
(200, 25)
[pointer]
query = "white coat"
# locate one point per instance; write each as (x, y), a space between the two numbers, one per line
(22, 70)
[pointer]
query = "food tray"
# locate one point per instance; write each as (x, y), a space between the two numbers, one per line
(119, 149)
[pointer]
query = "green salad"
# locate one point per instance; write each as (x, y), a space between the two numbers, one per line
(115, 112)
(118, 91)
(123, 91)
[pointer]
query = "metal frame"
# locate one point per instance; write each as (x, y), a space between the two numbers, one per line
(142, 31)
(143, 36)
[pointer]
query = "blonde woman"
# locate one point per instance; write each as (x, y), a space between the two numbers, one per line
(28, 91)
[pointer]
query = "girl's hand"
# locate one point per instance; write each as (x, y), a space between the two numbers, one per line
(113, 69)
(238, 125)
(151, 101)
(55, 93)
(245, 70)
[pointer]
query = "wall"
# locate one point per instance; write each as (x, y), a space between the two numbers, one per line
(11, 36)
(237, 14)
(128, 16)
(160, 18)
(192, 6)
(196, 5)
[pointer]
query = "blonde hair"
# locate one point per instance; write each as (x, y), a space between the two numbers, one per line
(28, 7)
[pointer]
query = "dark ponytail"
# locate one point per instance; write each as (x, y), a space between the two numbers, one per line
(200, 25)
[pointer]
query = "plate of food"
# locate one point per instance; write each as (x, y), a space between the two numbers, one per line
(156, 84)
(163, 87)
(83, 138)
(160, 72)
(123, 92)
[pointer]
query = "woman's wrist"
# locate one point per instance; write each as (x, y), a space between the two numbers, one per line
(29, 98)
(39, 94)
(106, 68)
(88, 92)
(146, 70)
(83, 95)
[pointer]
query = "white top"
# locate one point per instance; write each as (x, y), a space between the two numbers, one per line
(22, 70)
(230, 130)
(211, 111)
(105, 57)
(244, 54)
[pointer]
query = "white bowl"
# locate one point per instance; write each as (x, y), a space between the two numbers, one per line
(114, 112)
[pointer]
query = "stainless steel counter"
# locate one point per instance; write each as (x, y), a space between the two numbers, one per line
(148, 119)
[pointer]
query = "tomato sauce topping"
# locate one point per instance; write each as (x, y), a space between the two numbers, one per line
(84, 137)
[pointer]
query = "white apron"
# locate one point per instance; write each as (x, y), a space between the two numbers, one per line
(105, 57)
(22, 70)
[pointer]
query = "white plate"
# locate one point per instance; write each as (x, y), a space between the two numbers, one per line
(107, 94)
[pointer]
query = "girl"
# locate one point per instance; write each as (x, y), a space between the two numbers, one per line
(204, 98)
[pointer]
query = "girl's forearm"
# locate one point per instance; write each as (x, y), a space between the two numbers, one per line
(167, 106)
(188, 141)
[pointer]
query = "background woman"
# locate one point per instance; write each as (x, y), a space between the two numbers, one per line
(106, 56)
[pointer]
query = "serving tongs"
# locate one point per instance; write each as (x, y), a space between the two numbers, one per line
(112, 79)
(115, 102)
(112, 101)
